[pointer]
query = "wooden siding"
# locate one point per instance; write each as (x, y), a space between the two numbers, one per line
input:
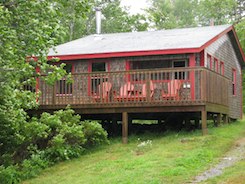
(223, 50)
(159, 87)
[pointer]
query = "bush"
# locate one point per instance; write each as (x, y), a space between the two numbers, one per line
(31, 167)
(52, 138)
(9, 175)
(94, 133)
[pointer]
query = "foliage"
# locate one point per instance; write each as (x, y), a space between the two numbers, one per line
(9, 175)
(52, 138)
(161, 14)
(220, 11)
(94, 133)
(27, 28)
(114, 19)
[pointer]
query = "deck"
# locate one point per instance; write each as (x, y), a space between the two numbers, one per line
(145, 90)
(197, 90)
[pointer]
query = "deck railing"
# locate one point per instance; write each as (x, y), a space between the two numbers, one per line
(161, 86)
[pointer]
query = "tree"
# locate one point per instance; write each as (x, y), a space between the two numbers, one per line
(185, 12)
(220, 11)
(114, 19)
(27, 28)
(161, 14)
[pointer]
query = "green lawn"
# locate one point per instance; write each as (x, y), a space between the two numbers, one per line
(170, 158)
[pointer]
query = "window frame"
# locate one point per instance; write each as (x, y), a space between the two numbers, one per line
(216, 65)
(209, 61)
(222, 68)
(62, 83)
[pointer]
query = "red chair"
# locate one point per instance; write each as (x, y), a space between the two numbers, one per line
(103, 92)
(125, 92)
(141, 95)
(173, 90)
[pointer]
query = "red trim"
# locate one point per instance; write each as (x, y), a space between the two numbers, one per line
(222, 68)
(90, 68)
(216, 38)
(127, 65)
(192, 63)
(202, 58)
(238, 43)
(209, 59)
(127, 68)
(126, 54)
(216, 64)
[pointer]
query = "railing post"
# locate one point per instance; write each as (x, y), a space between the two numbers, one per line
(192, 63)
(54, 93)
(148, 90)
(203, 86)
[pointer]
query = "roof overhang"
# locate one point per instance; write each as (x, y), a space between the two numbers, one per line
(126, 54)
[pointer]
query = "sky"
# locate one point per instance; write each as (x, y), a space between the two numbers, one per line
(135, 5)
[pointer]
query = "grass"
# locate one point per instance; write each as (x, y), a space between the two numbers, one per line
(170, 158)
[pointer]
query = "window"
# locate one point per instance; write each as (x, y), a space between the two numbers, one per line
(233, 82)
(179, 75)
(97, 79)
(221, 68)
(148, 64)
(62, 86)
(99, 67)
(209, 61)
(215, 68)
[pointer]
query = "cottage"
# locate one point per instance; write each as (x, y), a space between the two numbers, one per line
(194, 70)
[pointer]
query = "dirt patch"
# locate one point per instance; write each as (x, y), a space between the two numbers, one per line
(236, 153)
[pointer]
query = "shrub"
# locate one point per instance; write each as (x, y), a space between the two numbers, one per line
(9, 175)
(94, 133)
(31, 167)
(52, 138)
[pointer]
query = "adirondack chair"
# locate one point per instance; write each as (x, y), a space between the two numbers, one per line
(142, 94)
(103, 92)
(173, 90)
(125, 92)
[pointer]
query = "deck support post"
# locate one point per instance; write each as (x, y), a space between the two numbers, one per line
(225, 119)
(204, 122)
(218, 119)
(124, 127)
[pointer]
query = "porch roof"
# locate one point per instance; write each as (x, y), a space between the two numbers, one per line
(174, 39)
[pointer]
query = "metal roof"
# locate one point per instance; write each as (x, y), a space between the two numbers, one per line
(140, 41)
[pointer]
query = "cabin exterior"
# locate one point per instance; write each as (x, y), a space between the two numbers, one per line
(195, 70)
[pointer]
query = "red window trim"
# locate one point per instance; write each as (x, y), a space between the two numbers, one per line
(216, 65)
(90, 62)
(209, 59)
(234, 82)
(222, 68)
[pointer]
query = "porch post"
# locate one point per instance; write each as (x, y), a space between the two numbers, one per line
(124, 127)
(204, 122)
(218, 119)
(225, 119)
(192, 63)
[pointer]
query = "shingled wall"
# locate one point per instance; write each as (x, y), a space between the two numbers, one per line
(223, 50)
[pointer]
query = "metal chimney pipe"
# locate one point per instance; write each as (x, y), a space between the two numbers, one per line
(98, 20)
